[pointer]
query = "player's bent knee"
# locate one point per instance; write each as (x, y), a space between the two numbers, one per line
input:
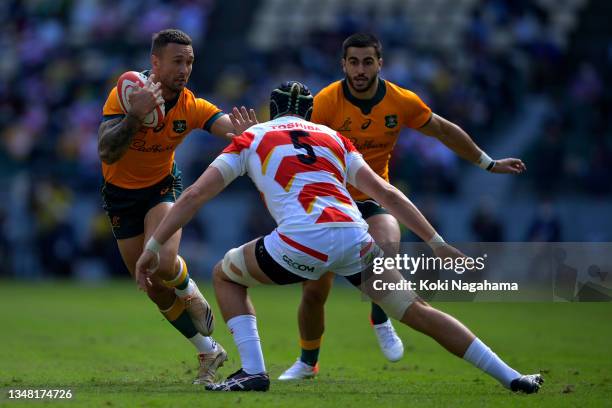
(421, 309)
(218, 274)
(159, 292)
(315, 295)
(419, 314)
(157, 285)
(396, 303)
(233, 266)
(167, 268)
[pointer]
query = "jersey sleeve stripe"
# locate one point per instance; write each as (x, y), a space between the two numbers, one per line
(110, 117)
(427, 121)
(239, 143)
(212, 120)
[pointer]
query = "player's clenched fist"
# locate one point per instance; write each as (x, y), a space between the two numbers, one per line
(509, 166)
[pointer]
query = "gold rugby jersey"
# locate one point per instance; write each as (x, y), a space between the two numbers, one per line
(372, 125)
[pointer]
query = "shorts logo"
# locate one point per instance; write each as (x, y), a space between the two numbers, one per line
(296, 265)
(366, 124)
(163, 191)
(374, 252)
(391, 121)
(115, 221)
(179, 126)
(368, 259)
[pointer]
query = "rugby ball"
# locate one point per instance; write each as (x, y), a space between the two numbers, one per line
(126, 84)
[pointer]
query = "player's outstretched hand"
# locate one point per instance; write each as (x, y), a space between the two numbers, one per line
(509, 166)
(147, 264)
(242, 120)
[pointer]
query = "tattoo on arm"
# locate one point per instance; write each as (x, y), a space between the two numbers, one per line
(115, 136)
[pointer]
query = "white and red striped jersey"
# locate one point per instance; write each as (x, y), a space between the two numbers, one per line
(301, 170)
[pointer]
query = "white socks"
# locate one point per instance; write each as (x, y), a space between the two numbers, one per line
(203, 344)
(482, 357)
(244, 329)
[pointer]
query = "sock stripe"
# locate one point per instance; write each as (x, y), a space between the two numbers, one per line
(174, 311)
(181, 276)
(310, 344)
(184, 324)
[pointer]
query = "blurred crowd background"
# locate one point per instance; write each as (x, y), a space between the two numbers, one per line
(525, 78)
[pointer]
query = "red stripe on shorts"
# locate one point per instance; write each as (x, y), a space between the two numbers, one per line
(365, 249)
(314, 253)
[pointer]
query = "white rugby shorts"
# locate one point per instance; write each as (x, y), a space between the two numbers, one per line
(344, 251)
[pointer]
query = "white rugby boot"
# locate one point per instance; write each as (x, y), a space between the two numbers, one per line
(299, 371)
(209, 363)
(388, 340)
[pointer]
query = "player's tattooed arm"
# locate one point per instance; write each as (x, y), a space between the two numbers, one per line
(115, 136)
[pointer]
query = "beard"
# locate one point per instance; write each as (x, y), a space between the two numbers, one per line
(173, 84)
(177, 85)
(362, 88)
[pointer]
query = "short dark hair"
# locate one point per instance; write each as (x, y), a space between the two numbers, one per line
(362, 40)
(165, 37)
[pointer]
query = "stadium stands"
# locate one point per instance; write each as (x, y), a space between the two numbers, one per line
(477, 62)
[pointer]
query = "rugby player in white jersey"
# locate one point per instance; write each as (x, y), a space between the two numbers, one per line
(301, 170)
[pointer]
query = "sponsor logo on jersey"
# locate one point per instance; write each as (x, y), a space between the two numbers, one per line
(296, 265)
(346, 126)
(295, 125)
(366, 124)
(141, 146)
(159, 127)
(391, 121)
(368, 144)
(179, 126)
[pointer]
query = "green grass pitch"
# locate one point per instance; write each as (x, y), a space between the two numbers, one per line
(111, 347)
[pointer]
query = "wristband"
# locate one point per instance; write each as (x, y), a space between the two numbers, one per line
(153, 245)
(485, 162)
